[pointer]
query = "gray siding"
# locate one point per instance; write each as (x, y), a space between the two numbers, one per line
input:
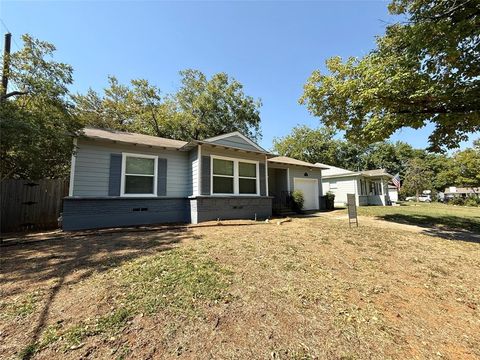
(81, 214)
(235, 141)
(223, 208)
(92, 168)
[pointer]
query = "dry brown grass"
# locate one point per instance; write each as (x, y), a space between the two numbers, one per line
(310, 288)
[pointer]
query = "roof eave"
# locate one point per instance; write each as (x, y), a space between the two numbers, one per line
(98, 138)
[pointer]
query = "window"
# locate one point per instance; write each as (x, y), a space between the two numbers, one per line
(247, 178)
(223, 176)
(232, 176)
(333, 185)
(139, 175)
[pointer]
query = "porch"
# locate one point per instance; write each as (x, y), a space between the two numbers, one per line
(286, 175)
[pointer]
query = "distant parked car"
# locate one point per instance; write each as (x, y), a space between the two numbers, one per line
(421, 198)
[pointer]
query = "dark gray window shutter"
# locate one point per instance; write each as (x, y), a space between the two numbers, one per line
(205, 188)
(115, 176)
(162, 177)
(263, 183)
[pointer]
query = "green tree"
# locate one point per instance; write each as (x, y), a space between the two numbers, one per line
(216, 106)
(311, 145)
(425, 69)
(137, 107)
(200, 109)
(466, 166)
(418, 177)
(36, 123)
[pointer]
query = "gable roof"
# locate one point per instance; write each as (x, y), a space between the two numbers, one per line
(235, 135)
(333, 170)
(376, 172)
(291, 161)
(131, 138)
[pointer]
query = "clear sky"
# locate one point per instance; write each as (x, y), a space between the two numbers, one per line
(270, 47)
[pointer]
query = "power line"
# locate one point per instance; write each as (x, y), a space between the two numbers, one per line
(8, 30)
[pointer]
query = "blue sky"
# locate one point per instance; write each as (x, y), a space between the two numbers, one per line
(270, 47)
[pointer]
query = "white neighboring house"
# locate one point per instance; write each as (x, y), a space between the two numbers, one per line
(370, 187)
(393, 193)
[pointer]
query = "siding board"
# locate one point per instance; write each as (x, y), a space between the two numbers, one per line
(91, 175)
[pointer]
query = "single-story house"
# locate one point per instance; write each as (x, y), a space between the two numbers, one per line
(127, 179)
(370, 187)
(464, 192)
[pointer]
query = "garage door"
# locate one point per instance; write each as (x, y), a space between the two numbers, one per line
(309, 187)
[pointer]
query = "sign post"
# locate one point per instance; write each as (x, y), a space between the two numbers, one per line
(352, 209)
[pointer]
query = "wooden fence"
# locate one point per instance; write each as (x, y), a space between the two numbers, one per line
(31, 205)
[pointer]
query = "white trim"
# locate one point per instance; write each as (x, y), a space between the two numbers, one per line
(236, 177)
(317, 203)
(235, 133)
(288, 180)
(199, 168)
(72, 167)
(266, 176)
(155, 174)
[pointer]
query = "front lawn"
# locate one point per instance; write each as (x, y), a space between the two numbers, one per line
(310, 288)
(433, 214)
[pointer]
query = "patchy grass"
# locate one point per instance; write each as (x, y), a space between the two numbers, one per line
(21, 306)
(310, 288)
(433, 214)
(178, 281)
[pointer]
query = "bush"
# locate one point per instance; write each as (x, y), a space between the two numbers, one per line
(297, 200)
(457, 201)
(472, 201)
(330, 200)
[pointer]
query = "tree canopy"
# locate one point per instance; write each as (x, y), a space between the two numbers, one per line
(425, 69)
(201, 108)
(37, 122)
(320, 145)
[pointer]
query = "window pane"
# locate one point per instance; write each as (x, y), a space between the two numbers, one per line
(222, 167)
(247, 169)
(247, 186)
(138, 184)
(136, 165)
(222, 185)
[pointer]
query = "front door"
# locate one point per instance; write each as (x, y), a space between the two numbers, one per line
(309, 187)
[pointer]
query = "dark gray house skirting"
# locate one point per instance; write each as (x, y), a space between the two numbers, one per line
(213, 207)
(95, 213)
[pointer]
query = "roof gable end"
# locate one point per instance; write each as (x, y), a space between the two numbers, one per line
(237, 140)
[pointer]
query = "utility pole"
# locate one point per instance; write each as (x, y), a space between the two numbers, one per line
(6, 64)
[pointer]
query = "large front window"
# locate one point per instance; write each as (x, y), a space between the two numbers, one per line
(231, 176)
(139, 175)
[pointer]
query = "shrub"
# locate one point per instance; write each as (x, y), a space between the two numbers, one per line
(297, 200)
(330, 200)
(472, 201)
(457, 201)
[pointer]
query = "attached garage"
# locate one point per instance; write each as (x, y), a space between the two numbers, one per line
(309, 187)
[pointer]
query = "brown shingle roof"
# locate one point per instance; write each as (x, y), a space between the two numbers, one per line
(291, 161)
(132, 138)
(376, 172)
